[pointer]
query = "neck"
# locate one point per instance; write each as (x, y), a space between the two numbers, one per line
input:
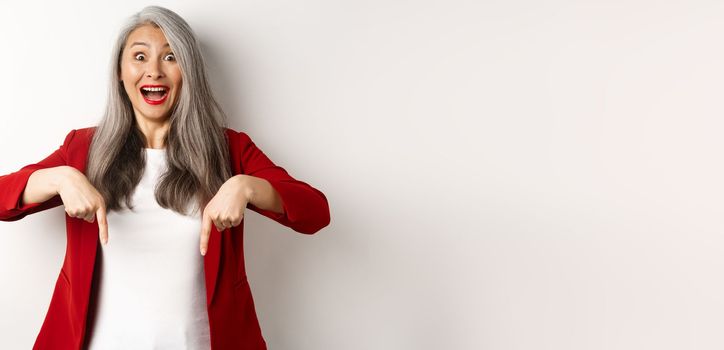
(153, 131)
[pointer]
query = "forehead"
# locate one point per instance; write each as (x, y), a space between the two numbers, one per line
(148, 34)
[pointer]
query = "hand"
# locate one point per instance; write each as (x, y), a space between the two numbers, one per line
(82, 200)
(226, 209)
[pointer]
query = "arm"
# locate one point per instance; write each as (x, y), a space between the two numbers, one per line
(14, 203)
(261, 193)
(304, 208)
(43, 184)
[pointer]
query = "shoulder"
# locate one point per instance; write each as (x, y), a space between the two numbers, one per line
(77, 135)
(237, 137)
(81, 132)
(86, 132)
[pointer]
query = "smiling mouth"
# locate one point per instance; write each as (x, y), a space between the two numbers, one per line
(154, 95)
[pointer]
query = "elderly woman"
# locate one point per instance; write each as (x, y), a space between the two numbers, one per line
(160, 186)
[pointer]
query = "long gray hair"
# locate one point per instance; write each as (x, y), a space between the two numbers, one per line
(196, 142)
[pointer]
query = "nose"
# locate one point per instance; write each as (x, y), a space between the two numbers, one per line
(155, 74)
(154, 70)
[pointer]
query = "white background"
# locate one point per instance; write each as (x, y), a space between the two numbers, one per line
(501, 174)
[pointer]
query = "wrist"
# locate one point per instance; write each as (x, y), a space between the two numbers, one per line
(248, 186)
(59, 177)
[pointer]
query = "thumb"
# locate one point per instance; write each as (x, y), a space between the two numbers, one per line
(102, 224)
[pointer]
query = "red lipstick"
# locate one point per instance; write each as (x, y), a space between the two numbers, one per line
(151, 101)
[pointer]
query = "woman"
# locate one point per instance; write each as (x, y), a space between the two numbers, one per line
(157, 179)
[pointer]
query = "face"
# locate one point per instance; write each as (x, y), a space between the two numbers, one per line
(150, 74)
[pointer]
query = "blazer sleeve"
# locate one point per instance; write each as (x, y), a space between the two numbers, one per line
(13, 185)
(306, 209)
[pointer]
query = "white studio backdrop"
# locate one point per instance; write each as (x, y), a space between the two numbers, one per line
(501, 174)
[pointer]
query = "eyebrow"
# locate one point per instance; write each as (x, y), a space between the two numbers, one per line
(142, 43)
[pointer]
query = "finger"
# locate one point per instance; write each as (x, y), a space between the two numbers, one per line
(205, 233)
(102, 224)
(75, 214)
(219, 225)
(87, 215)
(228, 223)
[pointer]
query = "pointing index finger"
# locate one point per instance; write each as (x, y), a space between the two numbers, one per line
(205, 233)
(102, 224)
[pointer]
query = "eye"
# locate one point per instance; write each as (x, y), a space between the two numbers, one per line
(138, 54)
(172, 56)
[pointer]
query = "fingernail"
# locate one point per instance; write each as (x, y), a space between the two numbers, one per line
(203, 251)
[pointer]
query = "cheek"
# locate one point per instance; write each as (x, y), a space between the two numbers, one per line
(128, 87)
(178, 83)
(129, 76)
(175, 75)
(129, 72)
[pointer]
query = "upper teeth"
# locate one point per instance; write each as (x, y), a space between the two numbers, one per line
(154, 89)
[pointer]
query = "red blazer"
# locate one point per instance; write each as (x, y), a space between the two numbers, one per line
(232, 318)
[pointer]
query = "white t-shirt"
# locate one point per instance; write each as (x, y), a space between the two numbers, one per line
(151, 291)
